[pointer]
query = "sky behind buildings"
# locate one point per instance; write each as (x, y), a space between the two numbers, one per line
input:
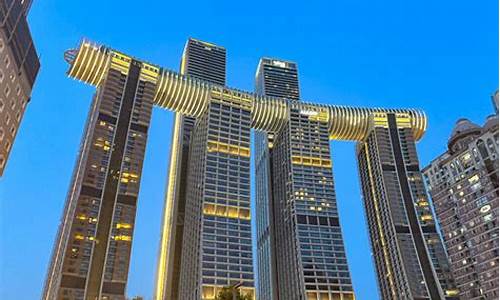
(441, 56)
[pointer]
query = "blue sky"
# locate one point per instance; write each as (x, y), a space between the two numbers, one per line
(441, 56)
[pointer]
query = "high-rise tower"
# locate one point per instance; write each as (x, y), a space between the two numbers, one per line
(274, 78)
(208, 62)
(277, 78)
(217, 247)
(310, 253)
(215, 250)
(299, 242)
(19, 65)
(216, 240)
(91, 254)
(409, 257)
(463, 183)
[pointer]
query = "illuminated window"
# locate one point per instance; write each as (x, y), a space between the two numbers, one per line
(466, 157)
(426, 217)
(125, 238)
(123, 226)
(474, 179)
(485, 209)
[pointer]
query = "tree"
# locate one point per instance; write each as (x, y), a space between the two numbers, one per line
(227, 294)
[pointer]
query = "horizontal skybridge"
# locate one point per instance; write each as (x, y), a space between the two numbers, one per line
(190, 96)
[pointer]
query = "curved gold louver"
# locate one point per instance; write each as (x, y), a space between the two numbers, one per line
(190, 96)
(90, 63)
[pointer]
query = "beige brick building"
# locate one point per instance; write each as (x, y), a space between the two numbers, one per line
(19, 66)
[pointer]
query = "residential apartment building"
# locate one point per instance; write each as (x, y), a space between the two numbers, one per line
(463, 183)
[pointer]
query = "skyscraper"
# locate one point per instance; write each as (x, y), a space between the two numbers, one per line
(19, 67)
(208, 62)
(296, 213)
(409, 257)
(217, 247)
(310, 253)
(275, 78)
(91, 253)
(216, 240)
(463, 183)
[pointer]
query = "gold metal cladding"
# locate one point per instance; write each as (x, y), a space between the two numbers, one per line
(190, 96)
(183, 94)
(164, 262)
(149, 73)
(378, 217)
(352, 123)
(90, 63)
(269, 114)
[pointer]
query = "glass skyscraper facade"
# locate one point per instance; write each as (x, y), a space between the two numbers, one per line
(208, 62)
(409, 256)
(310, 253)
(297, 256)
(217, 247)
(91, 254)
(275, 78)
(463, 183)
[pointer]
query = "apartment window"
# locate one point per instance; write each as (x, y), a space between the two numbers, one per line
(2, 45)
(2, 133)
(7, 61)
(7, 91)
(1, 76)
(1, 104)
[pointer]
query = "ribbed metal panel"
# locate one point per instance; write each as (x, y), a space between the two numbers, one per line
(190, 96)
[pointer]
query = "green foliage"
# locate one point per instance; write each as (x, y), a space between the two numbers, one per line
(227, 294)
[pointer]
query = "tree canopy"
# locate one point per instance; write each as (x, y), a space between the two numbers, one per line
(227, 294)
